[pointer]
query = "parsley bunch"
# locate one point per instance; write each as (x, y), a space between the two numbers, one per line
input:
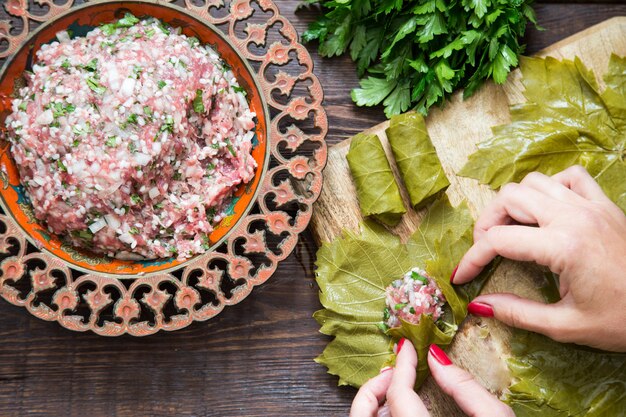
(412, 54)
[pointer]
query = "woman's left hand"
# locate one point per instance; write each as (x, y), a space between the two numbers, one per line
(395, 385)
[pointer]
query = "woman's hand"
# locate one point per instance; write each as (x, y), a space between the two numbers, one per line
(566, 223)
(396, 386)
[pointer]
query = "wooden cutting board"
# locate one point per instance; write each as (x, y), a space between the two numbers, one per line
(481, 346)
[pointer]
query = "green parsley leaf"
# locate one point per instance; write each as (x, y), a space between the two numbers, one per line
(198, 105)
(111, 142)
(150, 33)
(193, 41)
(161, 84)
(133, 230)
(91, 66)
(127, 21)
(230, 148)
(83, 234)
(95, 86)
(23, 106)
(137, 70)
(136, 199)
(415, 54)
(132, 119)
(163, 27)
(66, 64)
(418, 277)
(239, 89)
(168, 126)
(373, 91)
(61, 165)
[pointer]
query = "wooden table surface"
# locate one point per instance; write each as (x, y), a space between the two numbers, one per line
(254, 359)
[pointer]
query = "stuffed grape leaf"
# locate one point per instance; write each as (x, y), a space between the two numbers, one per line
(416, 157)
(353, 272)
(566, 120)
(376, 187)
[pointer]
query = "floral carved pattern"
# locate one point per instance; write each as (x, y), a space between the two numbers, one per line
(50, 289)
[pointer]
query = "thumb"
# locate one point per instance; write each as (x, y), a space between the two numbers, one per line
(552, 320)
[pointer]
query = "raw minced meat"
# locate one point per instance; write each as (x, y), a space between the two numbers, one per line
(411, 297)
(130, 141)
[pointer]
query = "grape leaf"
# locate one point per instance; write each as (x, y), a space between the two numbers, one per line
(416, 157)
(353, 272)
(561, 380)
(376, 187)
(566, 120)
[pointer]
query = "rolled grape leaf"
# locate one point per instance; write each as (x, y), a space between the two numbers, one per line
(417, 159)
(353, 272)
(555, 379)
(566, 120)
(376, 187)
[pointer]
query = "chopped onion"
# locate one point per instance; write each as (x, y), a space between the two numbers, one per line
(97, 225)
(153, 193)
(45, 118)
(112, 221)
(63, 36)
(142, 159)
(128, 256)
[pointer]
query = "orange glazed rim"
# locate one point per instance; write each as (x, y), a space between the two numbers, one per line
(80, 20)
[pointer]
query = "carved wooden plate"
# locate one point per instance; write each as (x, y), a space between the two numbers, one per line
(83, 291)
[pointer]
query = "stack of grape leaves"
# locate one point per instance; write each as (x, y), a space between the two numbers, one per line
(566, 120)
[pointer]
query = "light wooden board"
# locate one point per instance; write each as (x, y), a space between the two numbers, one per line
(455, 131)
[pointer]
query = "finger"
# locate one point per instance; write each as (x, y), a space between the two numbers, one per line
(518, 203)
(520, 243)
(553, 320)
(470, 396)
(367, 401)
(401, 398)
(577, 179)
(549, 186)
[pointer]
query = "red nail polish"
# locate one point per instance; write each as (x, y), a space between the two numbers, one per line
(453, 274)
(399, 346)
(439, 355)
(480, 309)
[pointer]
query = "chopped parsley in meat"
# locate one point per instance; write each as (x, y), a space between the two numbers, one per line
(131, 140)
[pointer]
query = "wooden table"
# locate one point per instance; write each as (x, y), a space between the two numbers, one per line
(254, 359)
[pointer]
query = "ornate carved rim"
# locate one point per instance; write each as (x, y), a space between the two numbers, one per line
(202, 287)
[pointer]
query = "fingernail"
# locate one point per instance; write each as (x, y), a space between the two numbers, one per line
(385, 369)
(453, 274)
(480, 309)
(439, 355)
(399, 345)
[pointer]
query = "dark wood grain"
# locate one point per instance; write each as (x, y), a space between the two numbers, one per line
(254, 359)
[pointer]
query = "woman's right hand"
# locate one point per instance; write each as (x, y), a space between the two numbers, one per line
(567, 223)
